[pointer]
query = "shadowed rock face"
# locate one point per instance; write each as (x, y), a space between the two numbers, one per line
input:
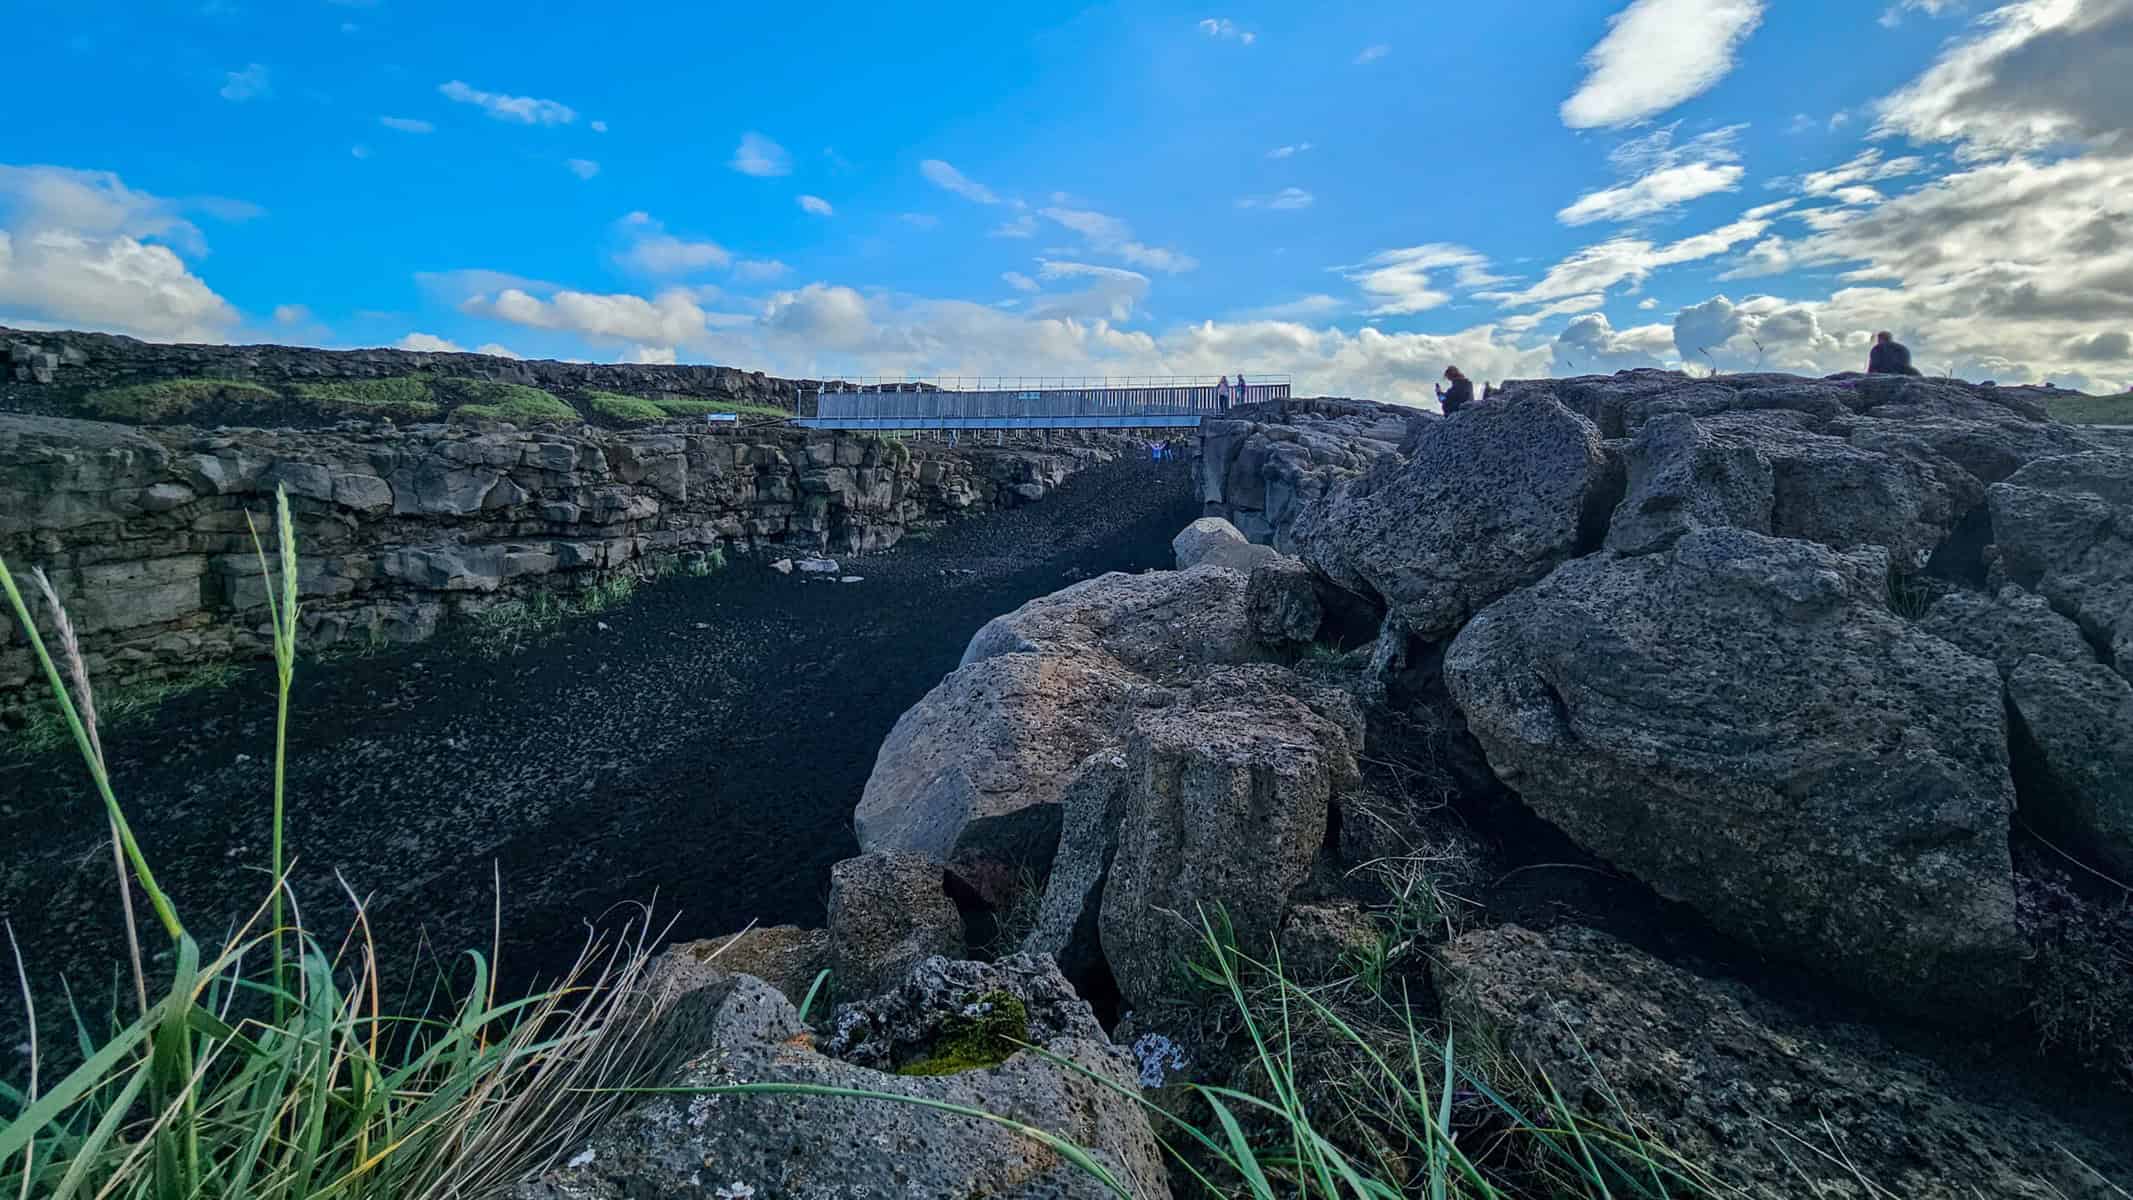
(1740, 1087)
(1260, 470)
(1742, 723)
(144, 530)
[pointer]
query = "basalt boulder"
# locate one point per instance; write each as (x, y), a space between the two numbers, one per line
(1741, 723)
(1487, 502)
(2064, 530)
(973, 774)
(1212, 540)
(1774, 1105)
(887, 911)
(827, 1147)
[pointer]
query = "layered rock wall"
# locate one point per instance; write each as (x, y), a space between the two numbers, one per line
(144, 530)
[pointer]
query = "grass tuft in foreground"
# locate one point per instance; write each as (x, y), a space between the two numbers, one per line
(47, 727)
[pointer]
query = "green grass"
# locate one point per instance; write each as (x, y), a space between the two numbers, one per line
(167, 399)
(693, 409)
(2095, 410)
(629, 410)
(513, 402)
(47, 729)
(400, 398)
(515, 624)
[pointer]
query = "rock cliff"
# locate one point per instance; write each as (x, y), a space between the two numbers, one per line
(144, 532)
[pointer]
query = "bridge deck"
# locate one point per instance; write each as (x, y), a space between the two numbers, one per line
(1088, 404)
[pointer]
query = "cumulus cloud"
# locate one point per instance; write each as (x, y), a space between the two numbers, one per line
(1222, 29)
(652, 355)
(247, 84)
(1096, 291)
(497, 350)
(1657, 54)
(1760, 333)
(81, 249)
(668, 318)
(1109, 235)
(1399, 282)
(524, 110)
(942, 175)
(583, 168)
(1287, 199)
(2035, 73)
(816, 205)
(429, 342)
(407, 124)
(759, 156)
(1589, 345)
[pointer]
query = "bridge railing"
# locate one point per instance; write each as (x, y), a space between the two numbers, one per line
(1047, 398)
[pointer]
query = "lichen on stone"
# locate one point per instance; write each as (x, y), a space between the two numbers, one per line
(987, 1031)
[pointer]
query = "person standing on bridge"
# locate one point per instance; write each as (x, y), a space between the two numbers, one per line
(1222, 393)
(1461, 395)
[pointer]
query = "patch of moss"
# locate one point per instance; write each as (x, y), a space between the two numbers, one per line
(166, 399)
(514, 402)
(630, 410)
(2094, 410)
(986, 1033)
(401, 397)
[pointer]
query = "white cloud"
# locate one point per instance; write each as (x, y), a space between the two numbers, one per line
(1657, 192)
(1602, 267)
(759, 156)
(1106, 293)
(2035, 73)
(1020, 282)
(407, 124)
(919, 220)
(1661, 175)
(525, 110)
(654, 251)
(1287, 199)
(1868, 166)
(1657, 54)
(759, 270)
(1892, 16)
(1589, 345)
(429, 343)
(599, 127)
(246, 84)
(1647, 304)
(1222, 29)
(291, 314)
(942, 175)
(1399, 282)
(1303, 308)
(1022, 225)
(61, 278)
(583, 168)
(1109, 235)
(651, 355)
(1371, 54)
(496, 350)
(669, 318)
(80, 249)
(1288, 151)
(817, 205)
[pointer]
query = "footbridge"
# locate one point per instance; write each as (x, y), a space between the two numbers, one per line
(1035, 403)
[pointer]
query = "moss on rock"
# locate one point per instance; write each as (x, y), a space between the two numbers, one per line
(987, 1032)
(400, 397)
(166, 399)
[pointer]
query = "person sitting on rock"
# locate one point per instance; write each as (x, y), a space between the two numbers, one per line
(1461, 395)
(1889, 356)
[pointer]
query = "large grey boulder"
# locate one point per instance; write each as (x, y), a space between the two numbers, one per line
(1683, 478)
(1213, 541)
(786, 957)
(1225, 808)
(820, 1147)
(887, 911)
(1261, 473)
(974, 772)
(2064, 529)
(1486, 503)
(2006, 627)
(1773, 1105)
(1067, 913)
(1743, 724)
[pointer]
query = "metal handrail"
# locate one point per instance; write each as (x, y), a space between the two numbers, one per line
(1009, 383)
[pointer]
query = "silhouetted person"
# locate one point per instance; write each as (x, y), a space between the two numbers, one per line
(1460, 395)
(1889, 356)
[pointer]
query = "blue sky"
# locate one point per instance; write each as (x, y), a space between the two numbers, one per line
(1355, 194)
